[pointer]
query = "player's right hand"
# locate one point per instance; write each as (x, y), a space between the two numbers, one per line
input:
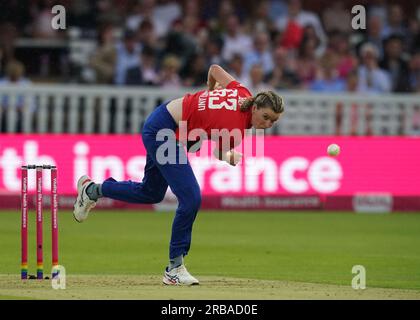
(234, 157)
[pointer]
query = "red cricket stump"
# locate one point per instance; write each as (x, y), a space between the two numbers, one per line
(54, 221)
(24, 224)
(39, 251)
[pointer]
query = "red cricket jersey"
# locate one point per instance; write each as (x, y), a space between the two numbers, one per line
(217, 109)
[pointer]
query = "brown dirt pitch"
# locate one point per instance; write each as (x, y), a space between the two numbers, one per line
(117, 287)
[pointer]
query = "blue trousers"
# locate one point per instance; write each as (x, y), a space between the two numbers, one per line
(179, 176)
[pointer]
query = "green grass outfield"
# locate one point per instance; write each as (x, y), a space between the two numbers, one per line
(256, 255)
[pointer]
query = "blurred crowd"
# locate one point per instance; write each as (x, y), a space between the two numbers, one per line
(267, 44)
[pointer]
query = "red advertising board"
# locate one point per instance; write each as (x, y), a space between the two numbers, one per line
(287, 173)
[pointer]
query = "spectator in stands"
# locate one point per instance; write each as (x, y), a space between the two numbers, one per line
(146, 35)
(212, 50)
(373, 35)
(161, 15)
(347, 61)
(192, 8)
(260, 54)
(395, 23)
(414, 76)
(301, 18)
(140, 10)
(309, 33)
(42, 17)
(180, 43)
(165, 14)
(196, 72)
(277, 9)
(352, 81)
(106, 12)
(378, 8)
(144, 74)
(14, 18)
(337, 18)
(190, 28)
(413, 35)
(236, 69)
(104, 59)
(306, 64)
(128, 56)
(6, 45)
(260, 20)
(257, 82)
(291, 36)
(234, 40)
(283, 75)
(372, 79)
(191, 11)
(15, 76)
(226, 9)
(216, 14)
(148, 66)
(396, 64)
(168, 75)
(327, 78)
(134, 76)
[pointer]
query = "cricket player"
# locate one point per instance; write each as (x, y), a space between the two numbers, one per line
(226, 104)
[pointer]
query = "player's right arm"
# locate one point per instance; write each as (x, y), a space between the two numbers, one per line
(217, 75)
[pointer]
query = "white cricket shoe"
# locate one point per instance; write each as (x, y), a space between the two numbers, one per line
(83, 204)
(179, 276)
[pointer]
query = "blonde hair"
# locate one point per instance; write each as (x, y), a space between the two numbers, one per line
(264, 99)
(171, 61)
(15, 69)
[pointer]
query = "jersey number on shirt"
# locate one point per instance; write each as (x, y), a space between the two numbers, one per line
(217, 99)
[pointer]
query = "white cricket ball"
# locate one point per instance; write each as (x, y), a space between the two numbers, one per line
(333, 150)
